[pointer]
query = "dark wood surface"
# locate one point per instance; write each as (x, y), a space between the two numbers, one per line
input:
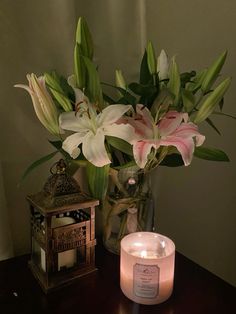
(196, 291)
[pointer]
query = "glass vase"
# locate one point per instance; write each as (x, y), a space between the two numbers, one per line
(128, 206)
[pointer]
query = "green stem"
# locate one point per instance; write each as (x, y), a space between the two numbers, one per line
(154, 79)
(122, 227)
(200, 99)
(114, 176)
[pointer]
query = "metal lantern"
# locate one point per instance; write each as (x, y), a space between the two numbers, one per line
(62, 231)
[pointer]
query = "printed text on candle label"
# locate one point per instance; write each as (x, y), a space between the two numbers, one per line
(146, 280)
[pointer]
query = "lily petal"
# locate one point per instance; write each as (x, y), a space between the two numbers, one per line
(36, 105)
(170, 122)
(184, 145)
(71, 143)
(94, 149)
(39, 87)
(141, 130)
(112, 113)
(145, 114)
(73, 122)
(124, 131)
(141, 150)
(41, 114)
(26, 87)
(190, 130)
(79, 95)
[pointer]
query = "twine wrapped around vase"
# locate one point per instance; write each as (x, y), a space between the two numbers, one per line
(128, 206)
(132, 220)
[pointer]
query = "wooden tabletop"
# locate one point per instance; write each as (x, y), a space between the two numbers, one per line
(196, 291)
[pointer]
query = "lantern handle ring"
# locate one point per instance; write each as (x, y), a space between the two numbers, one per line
(58, 167)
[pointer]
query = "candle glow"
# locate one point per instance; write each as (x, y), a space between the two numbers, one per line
(147, 267)
(65, 259)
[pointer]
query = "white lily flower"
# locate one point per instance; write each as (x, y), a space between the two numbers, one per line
(44, 106)
(91, 129)
(162, 65)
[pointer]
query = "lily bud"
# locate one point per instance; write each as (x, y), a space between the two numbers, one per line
(44, 106)
(162, 66)
(120, 81)
(213, 72)
(84, 38)
(151, 59)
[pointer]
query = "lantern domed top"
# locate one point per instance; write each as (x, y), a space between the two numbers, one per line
(60, 182)
(60, 193)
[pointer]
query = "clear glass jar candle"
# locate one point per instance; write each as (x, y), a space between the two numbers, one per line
(147, 267)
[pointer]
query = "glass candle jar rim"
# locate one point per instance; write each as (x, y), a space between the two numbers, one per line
(143, 234)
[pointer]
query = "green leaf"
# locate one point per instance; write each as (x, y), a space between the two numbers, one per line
(212, 154)
(79, 67)
(211, 101)
(67, 89)
(208, 120)
(56, 144)
(127, 100)
(186, 77)
(224, 114)
(53, 82)
(127, 97)
(145, 76)
(163, 100)
(60, 83)
(151, 58)
(213, 72)
(188, 100)
(221, 104)
(84, 38)
(120, 81)
(37, 163)
(108, 99)
(93, 87)
(196, 82)
(127, 165)
(142, 90)
(120, 144)
(174, 80)
(74, 165)
(98, 180)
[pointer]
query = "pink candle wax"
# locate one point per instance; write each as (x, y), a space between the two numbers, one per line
(147, 267)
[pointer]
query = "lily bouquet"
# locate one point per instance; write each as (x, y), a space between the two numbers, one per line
(152, 122)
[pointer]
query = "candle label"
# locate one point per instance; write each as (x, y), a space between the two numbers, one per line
(146, 280)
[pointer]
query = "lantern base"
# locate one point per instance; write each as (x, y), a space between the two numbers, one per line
(58, 280)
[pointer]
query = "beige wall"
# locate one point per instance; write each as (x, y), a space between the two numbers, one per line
(33, 39)
(195, 205)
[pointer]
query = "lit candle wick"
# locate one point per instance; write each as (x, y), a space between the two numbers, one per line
(143, 253)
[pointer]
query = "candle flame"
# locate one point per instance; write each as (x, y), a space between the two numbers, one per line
(143, 253)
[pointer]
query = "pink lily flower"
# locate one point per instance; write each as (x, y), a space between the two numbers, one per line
(174, 129)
